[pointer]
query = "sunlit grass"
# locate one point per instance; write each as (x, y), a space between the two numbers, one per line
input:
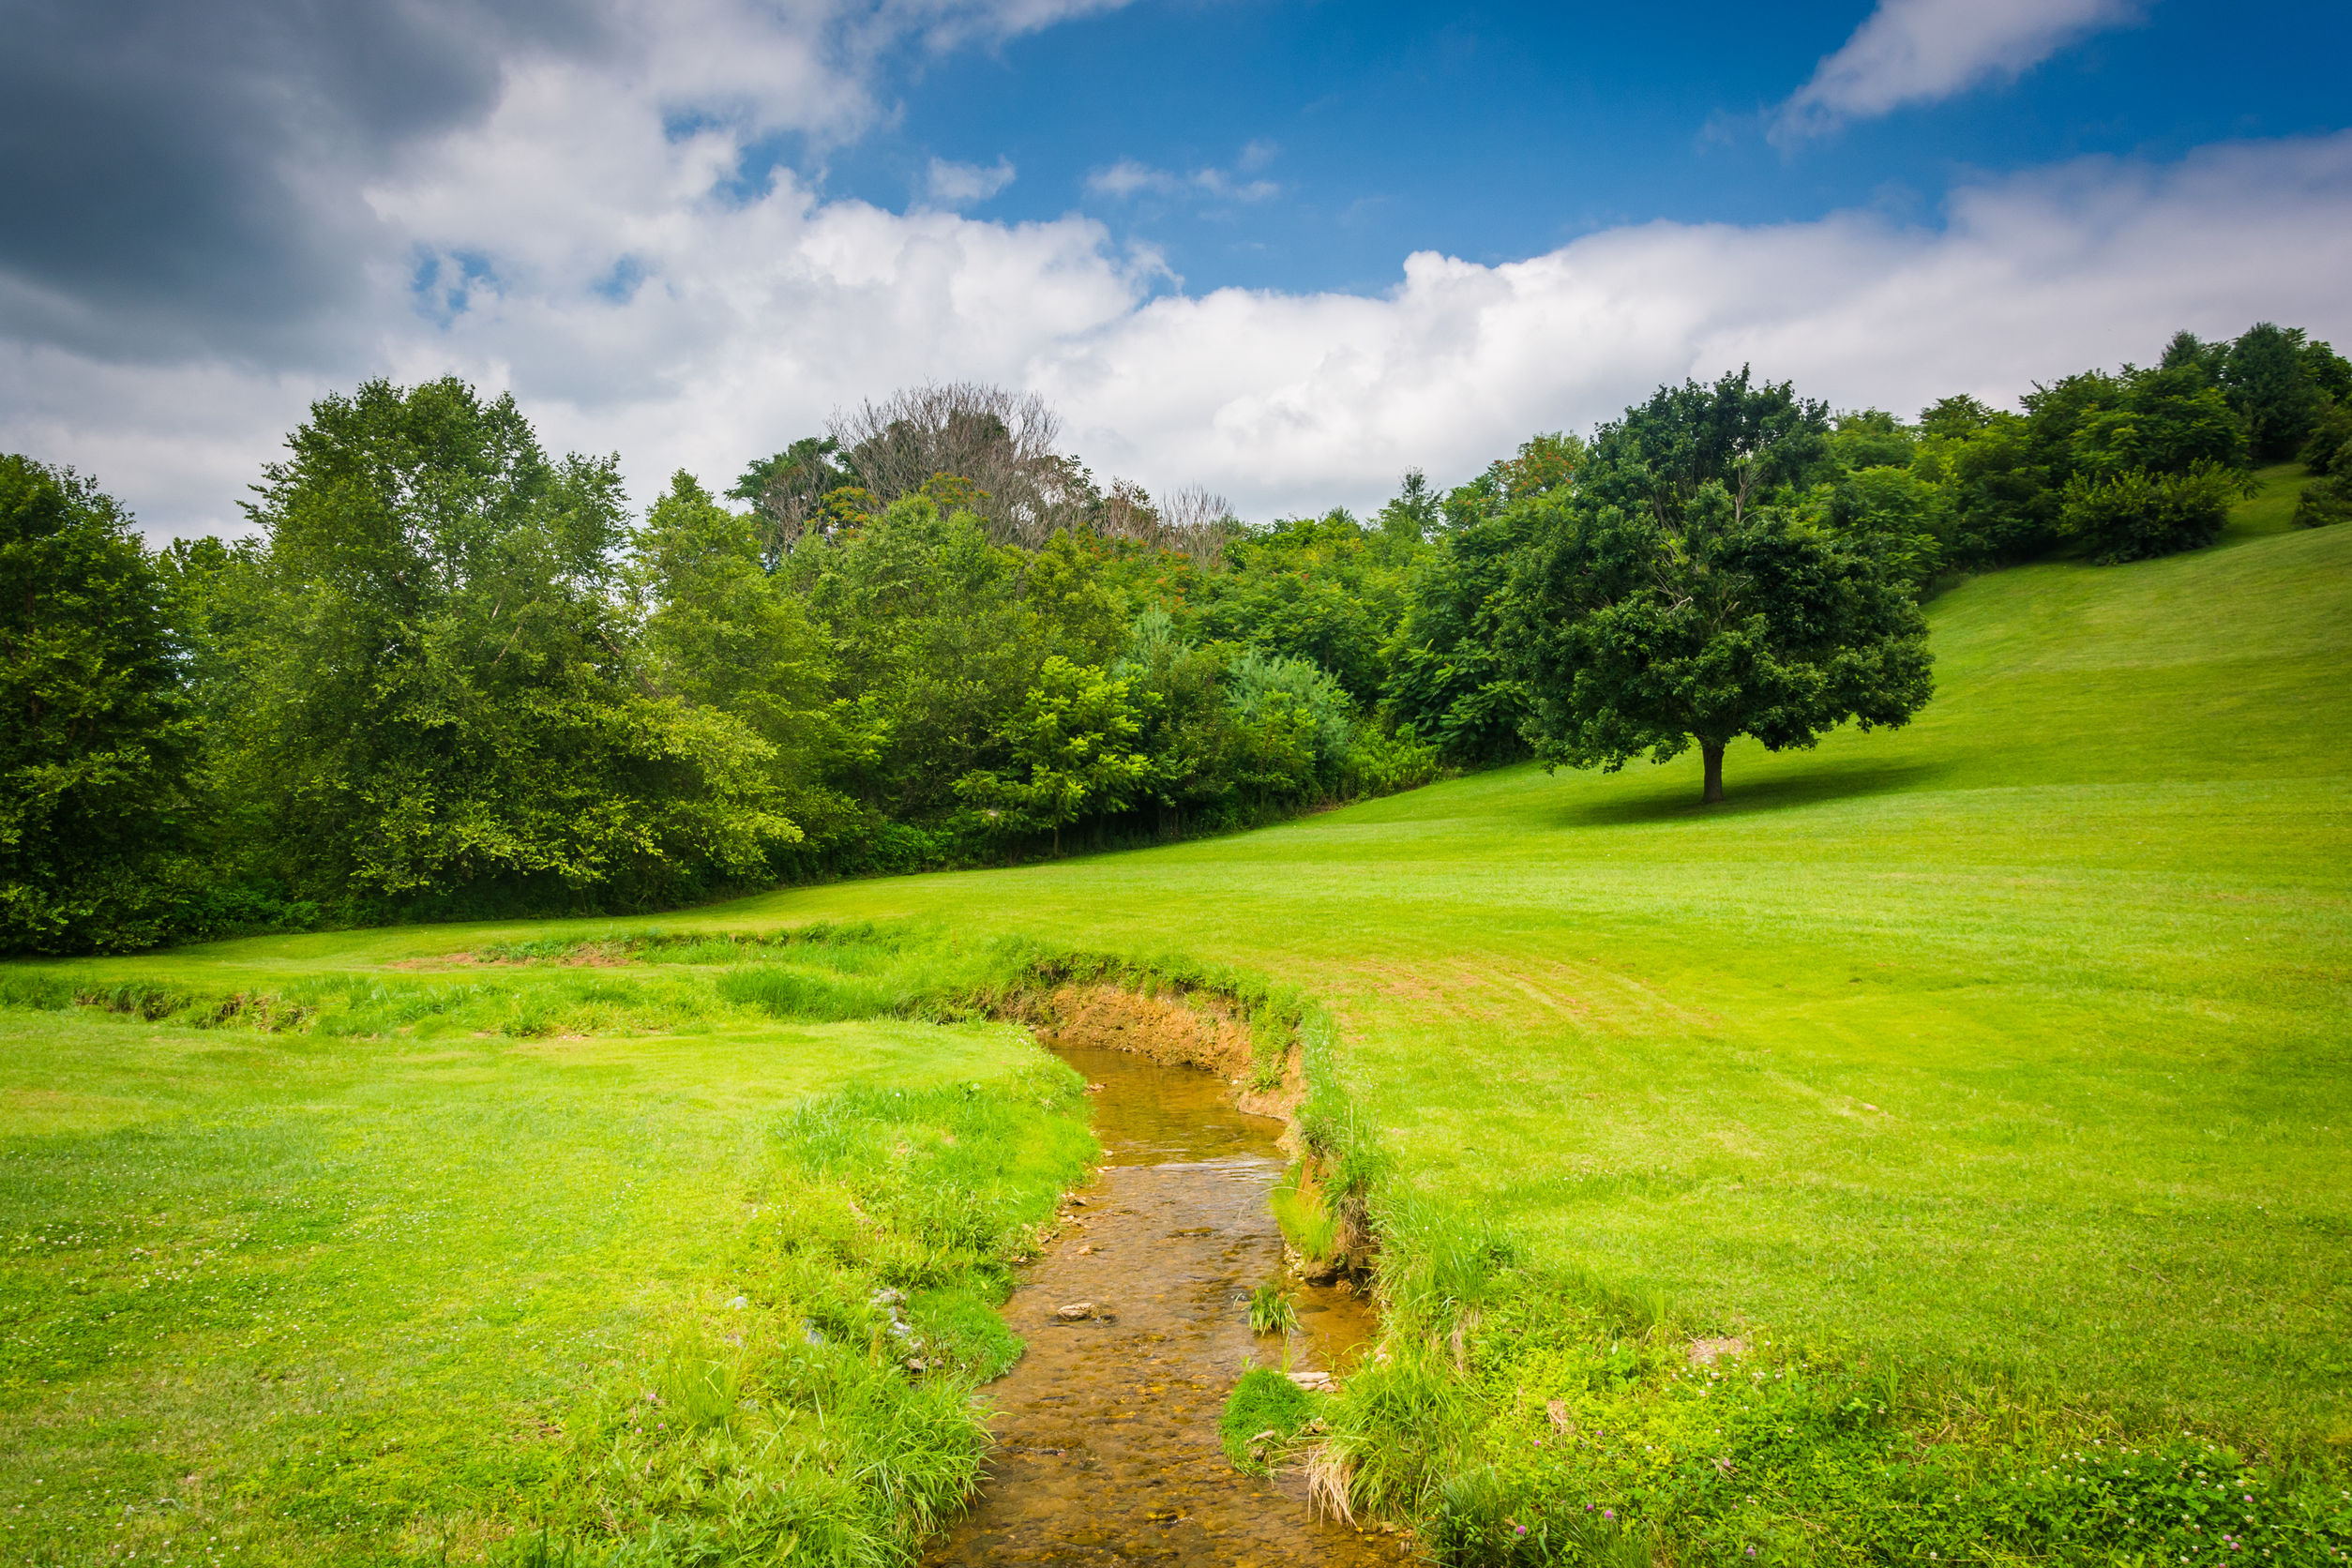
(303, 1297)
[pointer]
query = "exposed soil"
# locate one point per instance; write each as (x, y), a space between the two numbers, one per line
(1108, 1424)
(1175, 1030)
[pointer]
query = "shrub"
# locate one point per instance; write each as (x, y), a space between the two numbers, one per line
(2329, 441)
(2325, 500)
(2138, 516)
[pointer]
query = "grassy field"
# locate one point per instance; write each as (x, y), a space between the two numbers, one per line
(2010, 1048)
(303, 1296)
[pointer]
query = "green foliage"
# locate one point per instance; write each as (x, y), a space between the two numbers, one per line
(1263, 1416)
(1325, 591)
(1908, 517)
(1447, 679)
(2325, 501)
(1073, 753)
(1997, 477)
(1653, 630)
(2331, 443)
(2161, 421)
(1747, 439)
(93, 748)
(723, 636)
(2274, 378)
(2134, 515)
(441, 698)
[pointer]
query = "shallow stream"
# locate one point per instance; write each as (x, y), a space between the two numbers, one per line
(1107, 1426)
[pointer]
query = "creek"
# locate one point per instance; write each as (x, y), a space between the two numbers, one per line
(1107, 1426)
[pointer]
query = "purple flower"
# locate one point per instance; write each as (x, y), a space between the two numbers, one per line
(1521, 1528)
(1609, 1513)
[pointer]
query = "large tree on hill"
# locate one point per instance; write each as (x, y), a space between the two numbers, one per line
(94, 732)
(1699, 612)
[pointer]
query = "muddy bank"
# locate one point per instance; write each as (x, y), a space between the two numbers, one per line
(1107, 1425)
(1174, 1028)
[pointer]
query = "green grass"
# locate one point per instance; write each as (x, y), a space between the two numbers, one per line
(2271, 509)
(2009, 1050)
(1263, 1415)
(300, 1296)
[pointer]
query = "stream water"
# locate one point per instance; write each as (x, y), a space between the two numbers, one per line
(1107, 1428)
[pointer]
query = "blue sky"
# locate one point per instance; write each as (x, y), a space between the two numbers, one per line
(1496, 132)
(1282, 249)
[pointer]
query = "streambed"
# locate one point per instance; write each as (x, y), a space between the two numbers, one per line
(1107, 1425)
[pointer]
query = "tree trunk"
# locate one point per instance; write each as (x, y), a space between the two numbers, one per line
(1712, 753)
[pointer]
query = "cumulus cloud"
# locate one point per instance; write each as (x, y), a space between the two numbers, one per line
(1919, 51)
(578, 240)
(188, 180)
(957, 185)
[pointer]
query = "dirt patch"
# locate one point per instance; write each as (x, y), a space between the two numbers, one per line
(1176, 1028)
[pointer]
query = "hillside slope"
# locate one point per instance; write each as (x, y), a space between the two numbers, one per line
(2013, 1044)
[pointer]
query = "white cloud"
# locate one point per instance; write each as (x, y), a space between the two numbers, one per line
(635, 300)
(957, 185)
(1128, 177)
(1919, 50)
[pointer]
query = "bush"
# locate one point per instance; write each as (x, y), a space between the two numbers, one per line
(2330, 442)
(2138, 516)
(2326, 500)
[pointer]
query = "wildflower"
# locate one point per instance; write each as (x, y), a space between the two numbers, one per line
(1609, 1513)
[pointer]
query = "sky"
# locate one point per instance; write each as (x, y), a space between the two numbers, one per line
(1282, 248)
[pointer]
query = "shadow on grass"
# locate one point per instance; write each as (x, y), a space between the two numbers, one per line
(1662, 802)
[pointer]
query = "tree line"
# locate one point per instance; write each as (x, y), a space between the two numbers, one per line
(448, 675)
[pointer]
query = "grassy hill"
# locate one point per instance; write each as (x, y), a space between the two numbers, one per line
(2013, 1048)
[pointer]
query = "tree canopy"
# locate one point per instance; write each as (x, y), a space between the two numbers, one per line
(94, 749)
(1712, 608)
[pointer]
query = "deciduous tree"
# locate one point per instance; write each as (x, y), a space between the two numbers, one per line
(1658, 629)
(94, 733)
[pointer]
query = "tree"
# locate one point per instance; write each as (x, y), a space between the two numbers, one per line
(2164, 420)
(95, 746)
(934, 643)
(1073, 754)
(1411, 515)
(1000, 440)
(1640, 632)
(2270, 376)
(446, 696)
(788, 492)
(1753, 440)
(721, 632)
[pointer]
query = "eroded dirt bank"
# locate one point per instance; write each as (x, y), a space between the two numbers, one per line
(1107, 1425)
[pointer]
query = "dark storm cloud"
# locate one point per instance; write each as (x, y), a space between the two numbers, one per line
(183, 179)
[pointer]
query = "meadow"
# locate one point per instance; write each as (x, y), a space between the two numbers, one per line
(2001, 1059)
